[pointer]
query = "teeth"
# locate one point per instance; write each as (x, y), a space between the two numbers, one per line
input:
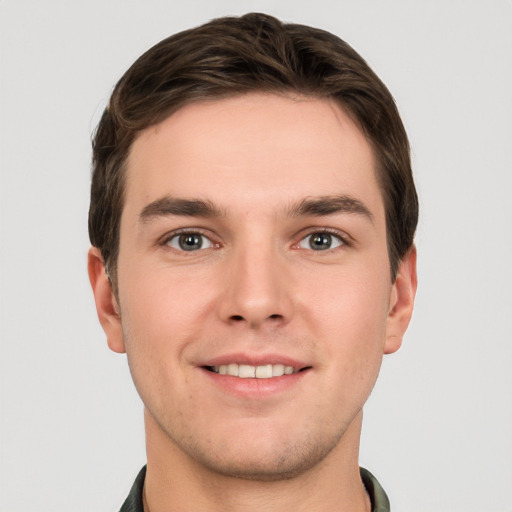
(277, 370)
(232, 369)
(264, 372)
(246, 371)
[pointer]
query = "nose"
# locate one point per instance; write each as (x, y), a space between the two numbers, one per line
(256, 289)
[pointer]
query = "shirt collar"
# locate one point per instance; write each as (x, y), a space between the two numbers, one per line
(378, 497)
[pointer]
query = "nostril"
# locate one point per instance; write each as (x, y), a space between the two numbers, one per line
(241, 318)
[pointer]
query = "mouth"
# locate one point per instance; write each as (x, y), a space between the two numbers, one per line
(247, 371)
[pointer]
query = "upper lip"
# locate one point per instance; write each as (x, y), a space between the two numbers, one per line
(254, 360)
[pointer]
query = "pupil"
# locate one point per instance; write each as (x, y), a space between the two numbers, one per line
(320, 241)
(190, 242)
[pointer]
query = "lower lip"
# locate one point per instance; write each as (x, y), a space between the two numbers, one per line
(255, 388)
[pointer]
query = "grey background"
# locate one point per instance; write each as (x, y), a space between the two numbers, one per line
(438, 427)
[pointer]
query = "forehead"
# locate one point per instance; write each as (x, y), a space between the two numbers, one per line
(252, 147)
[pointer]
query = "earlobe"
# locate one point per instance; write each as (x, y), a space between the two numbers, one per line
(106, 303)
(401, 303)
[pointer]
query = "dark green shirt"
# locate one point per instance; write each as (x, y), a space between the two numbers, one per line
(380, 502)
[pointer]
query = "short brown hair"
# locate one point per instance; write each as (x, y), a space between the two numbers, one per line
(236, 55)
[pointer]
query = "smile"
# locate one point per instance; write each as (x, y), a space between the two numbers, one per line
(246, 371)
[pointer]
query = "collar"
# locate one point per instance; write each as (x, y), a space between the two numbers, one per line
(378, 497)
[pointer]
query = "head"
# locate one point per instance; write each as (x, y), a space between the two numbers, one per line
(233, 56)
(253, 203)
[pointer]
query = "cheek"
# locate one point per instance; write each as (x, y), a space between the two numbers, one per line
(162, 302)
(156, 335)
(348, 311)
(159, 320)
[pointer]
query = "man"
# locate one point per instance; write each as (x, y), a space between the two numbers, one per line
(252, 220)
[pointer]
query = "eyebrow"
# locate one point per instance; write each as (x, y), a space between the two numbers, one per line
(176, 206)
(317, 206)
(329, 205)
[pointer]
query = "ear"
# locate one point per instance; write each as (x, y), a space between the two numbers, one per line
(106, 303)
(401, 302)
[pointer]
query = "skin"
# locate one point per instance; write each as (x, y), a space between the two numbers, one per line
(257, 290)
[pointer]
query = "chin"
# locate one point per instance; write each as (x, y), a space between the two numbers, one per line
(260, 461)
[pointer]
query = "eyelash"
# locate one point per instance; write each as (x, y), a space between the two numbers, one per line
(343, 239)
(165, 241)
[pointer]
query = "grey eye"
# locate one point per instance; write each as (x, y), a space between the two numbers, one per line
(320, 241)
(190, 242)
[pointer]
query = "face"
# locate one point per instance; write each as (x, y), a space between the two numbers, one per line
(255, 301)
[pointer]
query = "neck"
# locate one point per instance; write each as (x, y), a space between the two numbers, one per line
(175, 482)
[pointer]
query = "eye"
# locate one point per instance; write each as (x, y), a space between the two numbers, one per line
(320, 241)
(189, 242)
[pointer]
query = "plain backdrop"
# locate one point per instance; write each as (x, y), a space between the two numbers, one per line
(438, 426)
